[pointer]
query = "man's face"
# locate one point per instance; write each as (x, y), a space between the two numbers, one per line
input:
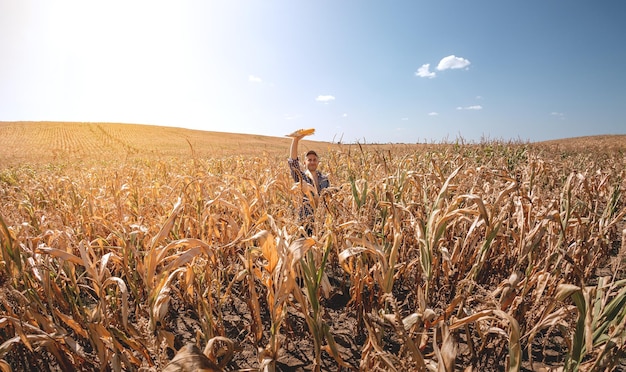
(311, 162)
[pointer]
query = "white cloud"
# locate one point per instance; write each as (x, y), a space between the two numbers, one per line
(559, 115)
(424, 71)
(404, 119)
(433, 113)
(326, 98)
(452, 62)
(475, 107)
(344, 115)
(479, 97)
(254, 79)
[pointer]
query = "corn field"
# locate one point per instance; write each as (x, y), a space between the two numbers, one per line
(438, 257)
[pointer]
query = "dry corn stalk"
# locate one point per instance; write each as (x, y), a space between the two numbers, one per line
(70, 238)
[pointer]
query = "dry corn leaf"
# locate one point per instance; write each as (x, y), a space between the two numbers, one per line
(127, 358)
(167, 226)
(168, 337)
(134, 344)
(162, 298)
(5, 367)
(87, 262)
(515, 350)
(100, 338)
(124, 290)
(449, 348)
(190, 359)
(184, 258)
(104, 261)
(214, 351)
(159, 255)
(75, 347)
(298, 248)
(60, 254)
(37, 339)
(74, 325)
(301, 133)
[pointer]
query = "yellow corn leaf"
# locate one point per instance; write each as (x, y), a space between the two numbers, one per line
(157, 256)
(255, 308)
(169, 338)
(89, 265)
(268, 248)
(481, 206)
(162, 298)
(301, 133)
(44, 320)
(5, 367)
(325, 285)
(353, 251)
(167, 226)
(190, 276)
(504, 193)
(103, 265)
(184, 258)
(123, 289)
(298, 248)
(565, 290)
(97, 329)
(470, 319)
(54, 252)
(271, 255)
(347, 253)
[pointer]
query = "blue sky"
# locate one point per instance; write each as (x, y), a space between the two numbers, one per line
(356, 70)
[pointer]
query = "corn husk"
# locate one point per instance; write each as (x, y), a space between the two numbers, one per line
(301, 133)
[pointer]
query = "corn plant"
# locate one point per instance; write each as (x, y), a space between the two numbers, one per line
(446, 253)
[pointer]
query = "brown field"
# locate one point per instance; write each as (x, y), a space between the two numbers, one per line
(143, 248)
(43, 142)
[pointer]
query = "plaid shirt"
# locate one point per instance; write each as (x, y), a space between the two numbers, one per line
(298, 174)
(306, 210)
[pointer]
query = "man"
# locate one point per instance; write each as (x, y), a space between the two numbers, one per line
(312, 180)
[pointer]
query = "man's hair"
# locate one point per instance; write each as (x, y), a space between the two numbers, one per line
(311, 152)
